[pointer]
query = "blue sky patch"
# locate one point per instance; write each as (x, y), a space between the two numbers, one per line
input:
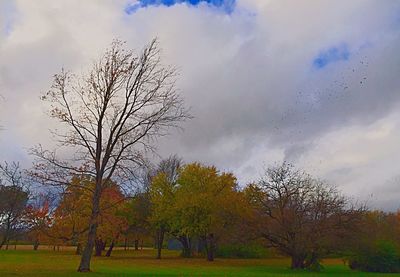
(7, 17)
(226, 5)
(331, 55)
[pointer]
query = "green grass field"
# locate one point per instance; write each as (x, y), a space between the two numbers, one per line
(45, 262)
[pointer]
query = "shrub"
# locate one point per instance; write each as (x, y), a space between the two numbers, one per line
(381, 256)
(243, 251)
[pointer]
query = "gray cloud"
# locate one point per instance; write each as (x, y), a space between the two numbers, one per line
(249, 77)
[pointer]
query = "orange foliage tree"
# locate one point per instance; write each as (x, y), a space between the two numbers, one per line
(71, 215)
(38, 218)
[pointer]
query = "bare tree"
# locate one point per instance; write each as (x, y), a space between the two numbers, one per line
(112, 116)
(303, 217)
(14, 195)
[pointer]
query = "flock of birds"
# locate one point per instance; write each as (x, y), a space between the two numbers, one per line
(306, 112)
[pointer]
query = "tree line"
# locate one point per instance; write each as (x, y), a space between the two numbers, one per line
(202, 208)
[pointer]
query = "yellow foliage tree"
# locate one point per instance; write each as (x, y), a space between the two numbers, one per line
(203, 203)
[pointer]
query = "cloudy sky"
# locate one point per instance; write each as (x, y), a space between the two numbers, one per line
(313, 82)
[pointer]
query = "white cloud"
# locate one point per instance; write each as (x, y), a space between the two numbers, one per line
(248, 76)
(362, 159)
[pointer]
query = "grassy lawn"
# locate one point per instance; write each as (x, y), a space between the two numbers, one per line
(45, 262)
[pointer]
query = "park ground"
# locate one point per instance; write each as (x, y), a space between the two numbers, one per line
(45, 262)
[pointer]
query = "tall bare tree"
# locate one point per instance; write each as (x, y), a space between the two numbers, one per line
(111, 116)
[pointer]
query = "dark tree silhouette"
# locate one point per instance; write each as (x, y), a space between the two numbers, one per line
(14, 195)
(303, 217)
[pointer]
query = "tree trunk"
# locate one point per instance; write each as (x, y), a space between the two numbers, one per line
(110, 249)
(297, 261)
(6, 235)
(160, 241)
(312, 261)
(136, 244)
(210, 247)
(186, 246)
(4, 240)
(141, 245)
(126, 243)
(99, 246)
(36, 245)
(78, 249)
(84, 265)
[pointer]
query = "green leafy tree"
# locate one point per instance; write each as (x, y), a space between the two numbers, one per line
(137, 214)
